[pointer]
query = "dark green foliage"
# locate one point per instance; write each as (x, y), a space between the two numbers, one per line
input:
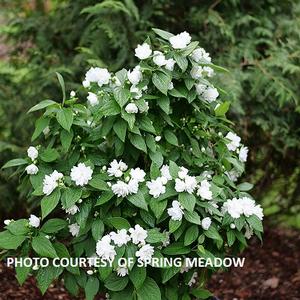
(258, 41)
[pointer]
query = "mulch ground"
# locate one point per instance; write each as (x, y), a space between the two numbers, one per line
(271, 272)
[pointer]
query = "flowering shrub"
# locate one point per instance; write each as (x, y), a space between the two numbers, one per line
(147, 168)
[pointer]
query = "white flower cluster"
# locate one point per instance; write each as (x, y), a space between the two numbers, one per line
(135, 76)
(185, 183)
(157, 186)
(176, 211)
(208, 92)
(144, 51)
(234, 144)
(105, 248)
(200, 55)
(33, 154)
(237, 207)
(181, 40)
(131, 183)
(204, 190)
(99, 75)
(74, 229)
(50, 182)
(81, 174)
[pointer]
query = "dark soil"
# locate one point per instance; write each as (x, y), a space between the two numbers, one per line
(271, 272)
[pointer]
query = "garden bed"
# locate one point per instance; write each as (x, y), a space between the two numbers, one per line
(270, 272)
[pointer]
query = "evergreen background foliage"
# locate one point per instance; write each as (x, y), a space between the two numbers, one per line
(258, 41)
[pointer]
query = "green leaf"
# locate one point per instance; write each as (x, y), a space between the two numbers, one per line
(62, 85)
(201, 293)
(191, 235)
(40, 124)
(187, 200)
(138, 142)
(97, 229)
(126, 294)
(121, 96)
(149, 290)
(45, 277)
(41, 105)
(236, 163)
(164, 104)
(190, 48)
(71, 284)
(22, 273)
(138, 275)
(213, 233)
(230, 237)
(146, 124)
(174, 225)
(65, 118)
(171, 137)
(120, 128)
(15, 162)
(48, 203)
(176, 249)
(158, 207)
(174, 169)
(118, 222)
(168, 273)
(116, 283)
(83, 214)
(157, 158)
(9, 241)
(19, 227)
(54, 225)
(110, 108)
(192, 217)
(104, 197)
(138, 200)
(163, 34)
(98, 183)
(245, 186)
(161, 81)
(49, 155)
(255, 223)
(155, 236)
(43, 247)
(222, 109)
(66, 138)
(91, 288)
(70, 196)
(181, 61)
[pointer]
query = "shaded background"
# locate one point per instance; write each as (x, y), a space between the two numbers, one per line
(258, 41)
